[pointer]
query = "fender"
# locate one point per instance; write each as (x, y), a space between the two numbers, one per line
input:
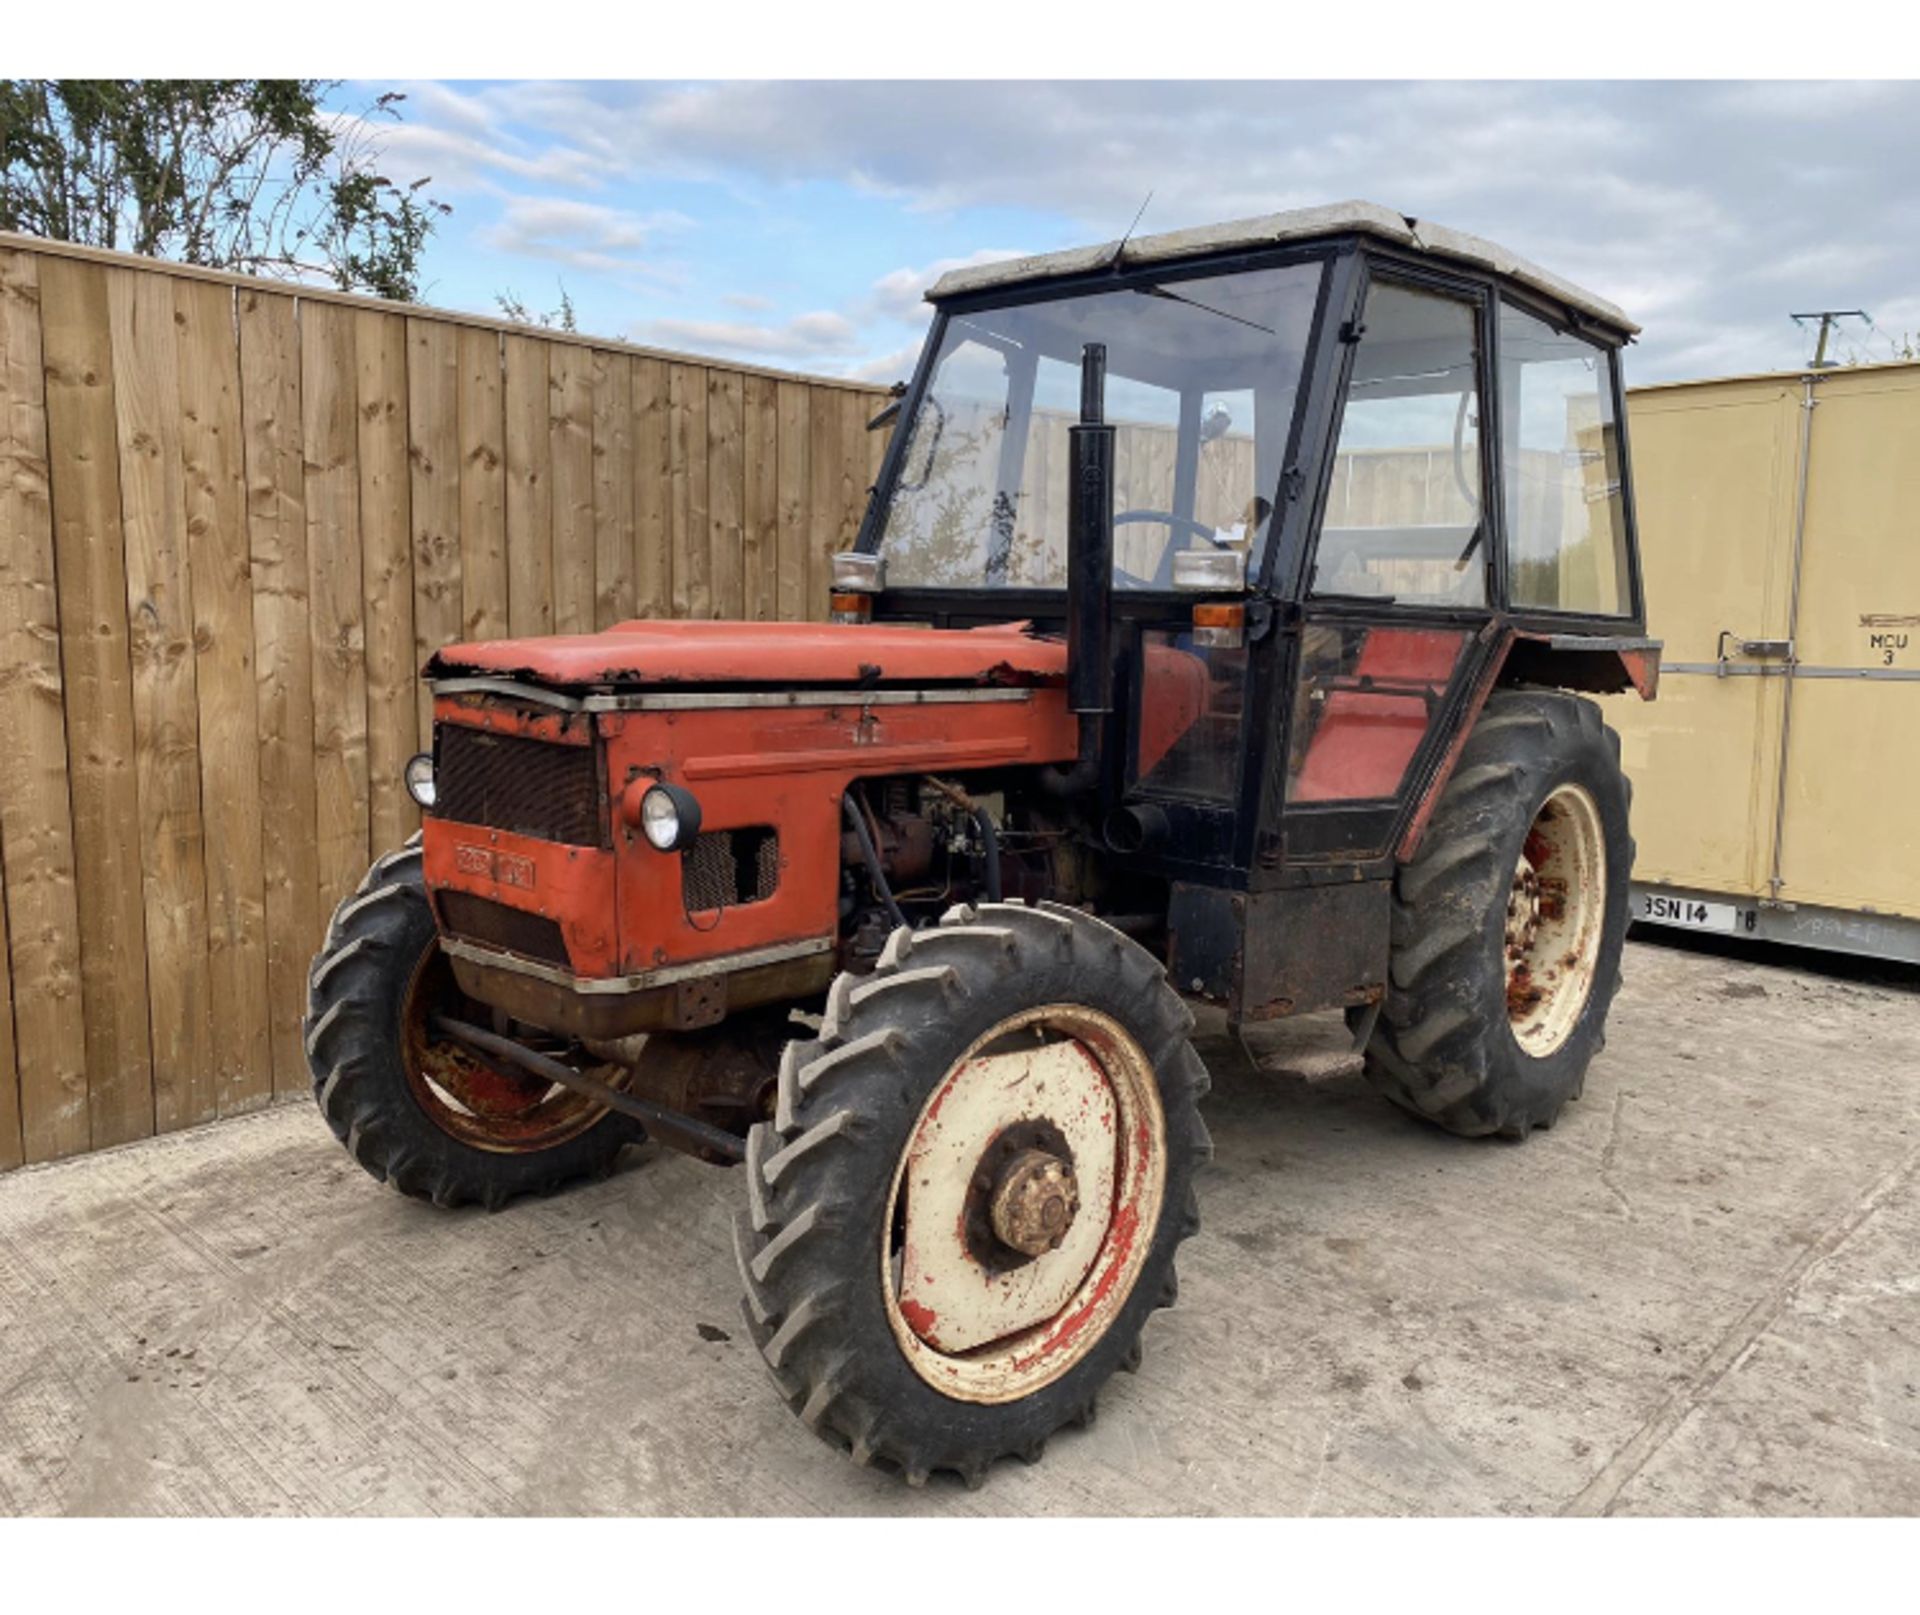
(1593, 665)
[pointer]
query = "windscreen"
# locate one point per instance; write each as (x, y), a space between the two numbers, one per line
(1203, 378)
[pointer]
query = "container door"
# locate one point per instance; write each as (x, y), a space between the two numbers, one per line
(1850, 831)
(1715, 472)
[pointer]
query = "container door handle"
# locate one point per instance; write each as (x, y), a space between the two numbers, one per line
(1758, 648)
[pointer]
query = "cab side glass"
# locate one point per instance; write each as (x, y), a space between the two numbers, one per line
(1404, 510)
(1566, 521)
(1365, 699)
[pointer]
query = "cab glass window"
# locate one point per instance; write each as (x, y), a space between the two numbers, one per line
(1566, 522)
(1404, 514)
(1203, 376)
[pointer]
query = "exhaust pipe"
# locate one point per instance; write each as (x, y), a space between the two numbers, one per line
(1089, 573)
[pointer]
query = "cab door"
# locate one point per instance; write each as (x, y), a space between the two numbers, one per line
(1398, 581)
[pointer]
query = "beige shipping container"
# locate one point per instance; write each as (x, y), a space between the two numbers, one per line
(1777, 776)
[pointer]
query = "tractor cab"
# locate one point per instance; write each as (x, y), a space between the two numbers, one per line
(1360, 465)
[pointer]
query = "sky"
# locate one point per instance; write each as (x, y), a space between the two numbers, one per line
(796, 224)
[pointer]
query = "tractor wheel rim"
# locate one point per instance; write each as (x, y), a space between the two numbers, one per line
(1024, 1205)
(474, 1102)
(1556, 911)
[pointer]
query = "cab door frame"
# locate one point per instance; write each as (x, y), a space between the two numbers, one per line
(1359, 838)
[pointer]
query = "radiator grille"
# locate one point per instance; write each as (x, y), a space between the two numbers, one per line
(509, 782)
(480, 919)
(725, 868)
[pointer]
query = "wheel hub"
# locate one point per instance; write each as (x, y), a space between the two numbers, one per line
(1034, 1202)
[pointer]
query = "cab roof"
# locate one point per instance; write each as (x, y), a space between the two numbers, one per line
(1273, 229)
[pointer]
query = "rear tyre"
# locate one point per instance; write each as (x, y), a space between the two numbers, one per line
(1508, 924)
(968, 1202)
(417, 1113)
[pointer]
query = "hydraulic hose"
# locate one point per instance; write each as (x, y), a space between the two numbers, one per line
(870, 856)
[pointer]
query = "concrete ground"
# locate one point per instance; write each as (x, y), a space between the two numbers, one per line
(1700, 1293)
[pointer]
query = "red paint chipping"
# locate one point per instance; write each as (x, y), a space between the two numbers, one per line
(1120, 1238)
(920, 1319)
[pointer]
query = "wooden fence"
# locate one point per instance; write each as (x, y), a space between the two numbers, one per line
(235, 518)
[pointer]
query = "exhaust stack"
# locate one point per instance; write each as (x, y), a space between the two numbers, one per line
(1090, 562)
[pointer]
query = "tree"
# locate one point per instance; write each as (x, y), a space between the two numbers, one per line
(255, 175)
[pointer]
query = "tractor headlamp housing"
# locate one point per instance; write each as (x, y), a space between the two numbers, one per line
(669, 817)
(418, 775)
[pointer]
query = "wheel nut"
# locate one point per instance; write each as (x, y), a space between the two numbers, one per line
(1034, 1202)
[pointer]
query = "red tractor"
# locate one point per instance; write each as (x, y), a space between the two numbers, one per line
(1213, 635)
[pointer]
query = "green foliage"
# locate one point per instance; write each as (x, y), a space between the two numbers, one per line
(559, 319)
(252, 175)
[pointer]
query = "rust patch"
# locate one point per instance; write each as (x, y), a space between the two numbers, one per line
(1522, 991)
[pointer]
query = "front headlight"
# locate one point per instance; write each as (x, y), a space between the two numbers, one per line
(669, 817)
(419, 777)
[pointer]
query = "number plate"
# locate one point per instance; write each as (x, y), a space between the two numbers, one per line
(1687, 911)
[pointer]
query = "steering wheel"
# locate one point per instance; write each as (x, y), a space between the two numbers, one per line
(1163, 574)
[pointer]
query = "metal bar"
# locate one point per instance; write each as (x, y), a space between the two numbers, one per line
(711, 700)
(706, 700)
(1799, 670)
(723, 964)
(508, 687)
(1775, 879)
(657, 1117)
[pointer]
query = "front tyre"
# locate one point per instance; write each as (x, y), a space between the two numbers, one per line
(1509, 923)
(968, 1203)
(418, 1113)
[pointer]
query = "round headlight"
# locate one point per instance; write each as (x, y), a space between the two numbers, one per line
(419, 777)
(669, 817)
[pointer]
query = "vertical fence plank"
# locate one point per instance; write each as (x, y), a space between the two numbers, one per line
(337, 610)
(571, 424)
(283, 664)
(483, 489)
(90, 559)
(433, 429)
(726, 490)
(11, 1148)
(390, 565)
(208, 357)
(825, 464)
(760, 545)
(613, 529)
(877, 437)
(166, 710)
(691, 539)
(856, 468)
(794, 496)
(652, 491)
(36, 823)
(529, 494)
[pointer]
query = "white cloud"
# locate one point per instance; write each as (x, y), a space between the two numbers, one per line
(582, 235)
(889, 367)
(806, 336)
(900, 294)
(1707, 210)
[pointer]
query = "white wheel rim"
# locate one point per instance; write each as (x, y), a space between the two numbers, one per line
(998, 1330)
(1555, 914)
